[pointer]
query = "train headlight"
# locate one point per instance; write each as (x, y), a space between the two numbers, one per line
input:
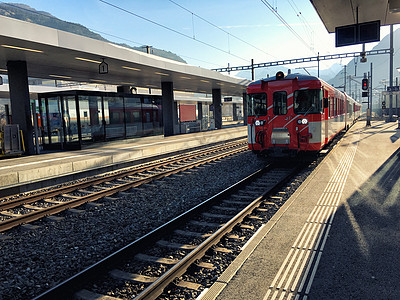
(259, 123)
(302, 121)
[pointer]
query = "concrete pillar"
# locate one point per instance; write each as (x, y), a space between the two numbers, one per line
(169, 108)
(20, 101)
(200, 110)
(234, 112)
(245, 108)
(217, 104)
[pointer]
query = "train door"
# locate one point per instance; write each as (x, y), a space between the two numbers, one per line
(326, 115)
(280, 134)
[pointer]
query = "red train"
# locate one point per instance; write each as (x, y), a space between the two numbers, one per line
(293, 113)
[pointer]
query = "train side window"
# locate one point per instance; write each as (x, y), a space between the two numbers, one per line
(257, 104)
(280, 103)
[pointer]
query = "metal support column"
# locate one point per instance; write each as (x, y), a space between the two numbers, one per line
(370, 92)
(252, 69)
(217, 104)
(168, 108)
(368, 107)
(20, 101)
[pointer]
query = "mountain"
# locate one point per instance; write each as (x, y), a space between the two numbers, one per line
(26, 13)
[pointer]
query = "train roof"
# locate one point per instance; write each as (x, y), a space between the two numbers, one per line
(300, 77)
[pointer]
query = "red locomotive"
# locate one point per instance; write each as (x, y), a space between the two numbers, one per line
(293, 113)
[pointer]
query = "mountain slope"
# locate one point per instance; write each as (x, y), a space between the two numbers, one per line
(26, 13)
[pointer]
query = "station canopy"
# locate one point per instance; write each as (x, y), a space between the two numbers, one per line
(55, 54)
(337, 13)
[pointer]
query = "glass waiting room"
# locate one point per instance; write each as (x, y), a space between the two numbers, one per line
(70, 119)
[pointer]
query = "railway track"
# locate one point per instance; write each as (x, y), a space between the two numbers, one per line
(157, 263)
(26, 209)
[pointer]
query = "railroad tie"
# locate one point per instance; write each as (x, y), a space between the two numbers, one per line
(54, 218)
(222, 250)
(205, 265)
(244, 226)
(192, 233)
(224, 208)
(9, 214)
(88, 295)
(188, 285)
(235, 202)
(216, 216)
(32, 207)
(242, 197)
(52, 201)
(175, 245)
(154, 259)
(118, 274)
(235, 237)
(204, 224)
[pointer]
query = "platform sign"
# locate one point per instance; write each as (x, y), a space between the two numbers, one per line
(395, 88)
(358, 33)
(103, 67)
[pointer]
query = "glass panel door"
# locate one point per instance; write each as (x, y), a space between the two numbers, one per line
(70, 119)
(91, 118)
(115, 123)
(43, 124)
(55, 120)
(134, 126)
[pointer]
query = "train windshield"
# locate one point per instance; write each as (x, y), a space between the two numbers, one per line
(280, 103)
(307, 101)
(257, 104)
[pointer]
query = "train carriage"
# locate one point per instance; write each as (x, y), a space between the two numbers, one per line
(293, 113)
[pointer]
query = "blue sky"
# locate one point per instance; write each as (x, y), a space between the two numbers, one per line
(249, 20)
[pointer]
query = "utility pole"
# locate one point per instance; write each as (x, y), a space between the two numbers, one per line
(252, 69)
(370, 91)
(368, 107)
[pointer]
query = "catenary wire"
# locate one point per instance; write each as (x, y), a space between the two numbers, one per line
(216, 26)
(170, 29)
(285, 23)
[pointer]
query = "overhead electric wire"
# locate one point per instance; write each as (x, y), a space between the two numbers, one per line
(285, 23)
(98, 31)
(298, 13)
(216, 26)
(170, 29)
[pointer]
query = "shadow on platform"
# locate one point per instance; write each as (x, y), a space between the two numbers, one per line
(361, 259)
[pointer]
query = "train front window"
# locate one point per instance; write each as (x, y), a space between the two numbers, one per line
(257, 104)
(280, 103)
(307, 101)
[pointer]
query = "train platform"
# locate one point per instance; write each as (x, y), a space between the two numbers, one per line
(337, 236)
(26, 173)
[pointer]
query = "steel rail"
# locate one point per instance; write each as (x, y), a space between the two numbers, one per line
(66, 289)
(156, 288)
(35, 215)
(82, 185)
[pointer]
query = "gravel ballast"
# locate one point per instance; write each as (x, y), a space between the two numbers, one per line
(34, 260)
